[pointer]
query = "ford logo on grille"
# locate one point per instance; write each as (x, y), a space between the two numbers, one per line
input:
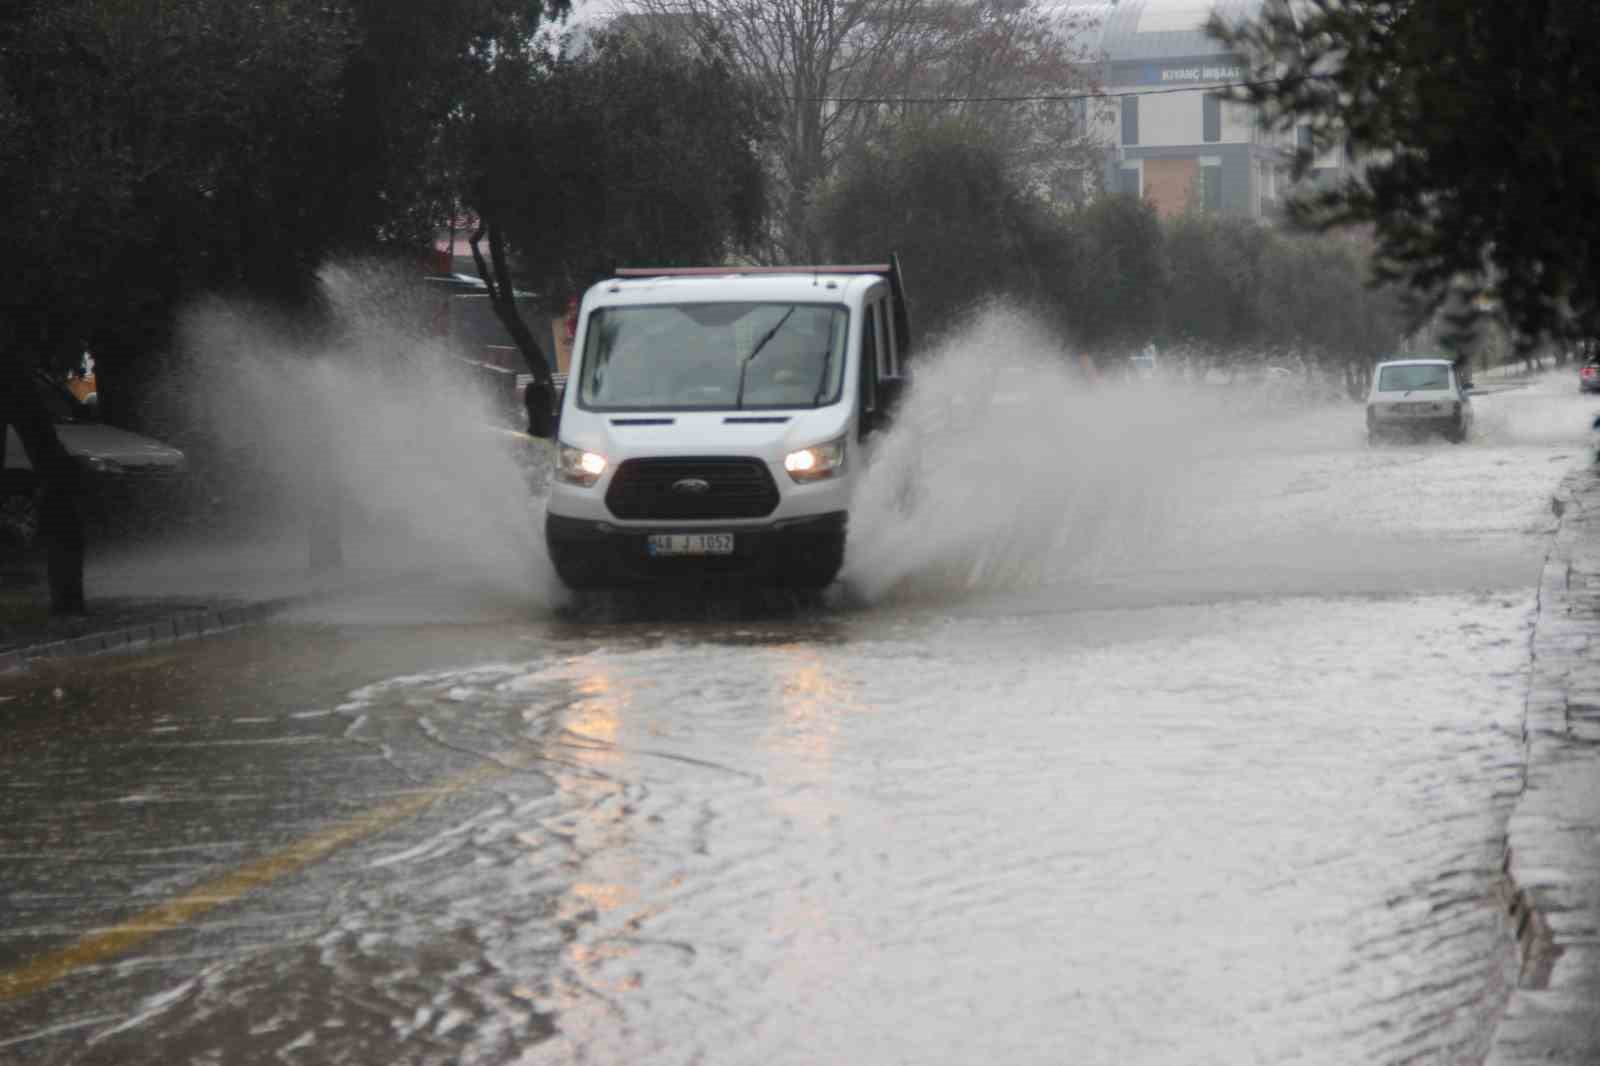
(691, 486)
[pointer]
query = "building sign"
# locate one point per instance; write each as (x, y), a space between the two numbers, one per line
(1203, 74)
(1182, 73)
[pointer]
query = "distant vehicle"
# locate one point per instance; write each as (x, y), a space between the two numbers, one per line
(462, 314)
(1589, 376)
(1143, 365)
(107, 455)
(1418, 397)
(715, 422)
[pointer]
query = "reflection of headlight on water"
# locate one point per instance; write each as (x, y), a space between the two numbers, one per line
(816, 462)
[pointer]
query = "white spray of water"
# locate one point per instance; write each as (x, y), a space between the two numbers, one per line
(1008, 471)
(1007, 467)
(377, 413)
(1558, 412)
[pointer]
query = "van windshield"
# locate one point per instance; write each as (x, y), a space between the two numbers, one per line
(713, 357)
(1421, 377)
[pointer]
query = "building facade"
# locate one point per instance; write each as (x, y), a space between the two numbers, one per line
(1171, 138)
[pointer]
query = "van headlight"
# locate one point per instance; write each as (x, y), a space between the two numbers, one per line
(816, 463)
(578, 467)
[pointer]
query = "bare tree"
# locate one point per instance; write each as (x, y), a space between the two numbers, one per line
(841, 71)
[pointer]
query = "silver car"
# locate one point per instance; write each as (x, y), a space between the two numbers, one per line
(108, 456)
(1414, 398)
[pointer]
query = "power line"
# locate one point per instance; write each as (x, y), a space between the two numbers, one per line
(1041, 97)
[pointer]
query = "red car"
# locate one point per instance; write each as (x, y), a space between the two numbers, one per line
(1589, 376)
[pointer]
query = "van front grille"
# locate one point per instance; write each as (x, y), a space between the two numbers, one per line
(692, 488)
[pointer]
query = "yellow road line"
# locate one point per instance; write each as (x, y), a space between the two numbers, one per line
(44, 970)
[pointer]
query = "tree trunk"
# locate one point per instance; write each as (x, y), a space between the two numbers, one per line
(540, 396)
(60, 524)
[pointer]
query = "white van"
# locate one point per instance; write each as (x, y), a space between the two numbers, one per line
(714, 421)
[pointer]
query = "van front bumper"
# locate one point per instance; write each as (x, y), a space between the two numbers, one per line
(802, 552)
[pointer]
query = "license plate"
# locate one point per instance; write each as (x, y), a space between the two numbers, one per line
(690, 544)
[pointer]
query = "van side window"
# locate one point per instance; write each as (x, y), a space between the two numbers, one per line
(891, 345)
(869, 359)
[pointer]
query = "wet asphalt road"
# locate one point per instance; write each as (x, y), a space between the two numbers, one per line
(1235, 797)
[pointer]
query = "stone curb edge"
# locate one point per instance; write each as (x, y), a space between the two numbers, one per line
(184, 625)
(181, 626)
(1553, 1013)
(198, 623)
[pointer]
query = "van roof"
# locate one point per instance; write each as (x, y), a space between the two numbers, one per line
(791, 286)
(1423, 361)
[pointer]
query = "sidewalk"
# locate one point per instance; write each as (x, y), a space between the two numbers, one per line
(199, 592)
(1553, 839)
(28, 631)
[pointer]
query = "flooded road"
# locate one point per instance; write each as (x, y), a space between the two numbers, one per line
(1214, 772)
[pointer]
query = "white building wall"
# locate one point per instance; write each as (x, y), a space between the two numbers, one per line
(1167, 119)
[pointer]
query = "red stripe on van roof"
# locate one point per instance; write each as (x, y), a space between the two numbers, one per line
(712, 272)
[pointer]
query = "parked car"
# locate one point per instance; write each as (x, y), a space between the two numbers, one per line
(1589, 376)
(1418, 397)
(115, 462)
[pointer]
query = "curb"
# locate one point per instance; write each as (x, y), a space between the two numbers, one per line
(185, 625)
(1552, 850)
(180, 626)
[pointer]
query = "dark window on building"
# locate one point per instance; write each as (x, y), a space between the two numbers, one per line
(1211, 118)
(1211, 188)
(1130, 120)
(1128, 181)
(1302, 136)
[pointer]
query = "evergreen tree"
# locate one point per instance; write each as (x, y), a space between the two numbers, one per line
(1476, 133)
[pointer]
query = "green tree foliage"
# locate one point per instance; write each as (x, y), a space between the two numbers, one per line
(1118, 273)
(412, 68)
(635, 150)
(1110, 275)
(629, 152)
(1314, 296)
(147, 147)
(939, 192)
(153, 148)
(1477, 132)
(947, 191)
(1215, 272)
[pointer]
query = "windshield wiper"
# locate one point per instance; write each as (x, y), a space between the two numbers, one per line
(738, 399)
(822, 382)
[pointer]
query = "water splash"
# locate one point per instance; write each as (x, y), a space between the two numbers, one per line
(374, 411)
(1009, 466)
